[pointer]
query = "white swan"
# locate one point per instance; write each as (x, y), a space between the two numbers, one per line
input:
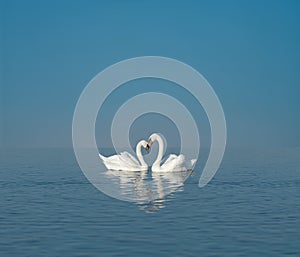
(125, 161)
(173, 162)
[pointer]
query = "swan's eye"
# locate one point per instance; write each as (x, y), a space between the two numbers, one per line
(147, 148)
(150, 142)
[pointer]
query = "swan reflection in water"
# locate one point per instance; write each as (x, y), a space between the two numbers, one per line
(149, 190)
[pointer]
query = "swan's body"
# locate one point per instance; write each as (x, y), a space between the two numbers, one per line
(125, 161)
(173, 162)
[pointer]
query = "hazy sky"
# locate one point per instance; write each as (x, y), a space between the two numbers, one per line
(249, 51)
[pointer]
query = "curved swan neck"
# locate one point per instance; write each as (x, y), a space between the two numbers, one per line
(160, 149)
(139, 155)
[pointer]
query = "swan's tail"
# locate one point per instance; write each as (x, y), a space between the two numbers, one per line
(103, 158)
(193, 161)
(105, 161)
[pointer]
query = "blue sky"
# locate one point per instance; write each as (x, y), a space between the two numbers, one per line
(248, 51)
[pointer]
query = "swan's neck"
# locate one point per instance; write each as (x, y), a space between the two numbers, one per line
(139, 155)
(160, 150)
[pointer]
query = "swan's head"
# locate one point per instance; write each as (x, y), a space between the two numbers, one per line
(152, 138)
(145, 145)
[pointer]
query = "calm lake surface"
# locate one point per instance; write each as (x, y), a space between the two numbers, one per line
(250, 208)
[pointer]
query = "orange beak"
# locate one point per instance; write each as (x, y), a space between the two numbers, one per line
(147, 148)
(150, 142)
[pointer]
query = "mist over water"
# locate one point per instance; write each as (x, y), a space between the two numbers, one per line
(250, 207)
(248, 51)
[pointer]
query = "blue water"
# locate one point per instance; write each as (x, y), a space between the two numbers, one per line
(250, 208)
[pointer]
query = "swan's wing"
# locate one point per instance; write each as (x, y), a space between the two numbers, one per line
(110, 159)
(111, 162)
(129, 159)
(170, 158)
(174, 163)
(124, 158)
(185, 165)
(179, 164)
(123, 161)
